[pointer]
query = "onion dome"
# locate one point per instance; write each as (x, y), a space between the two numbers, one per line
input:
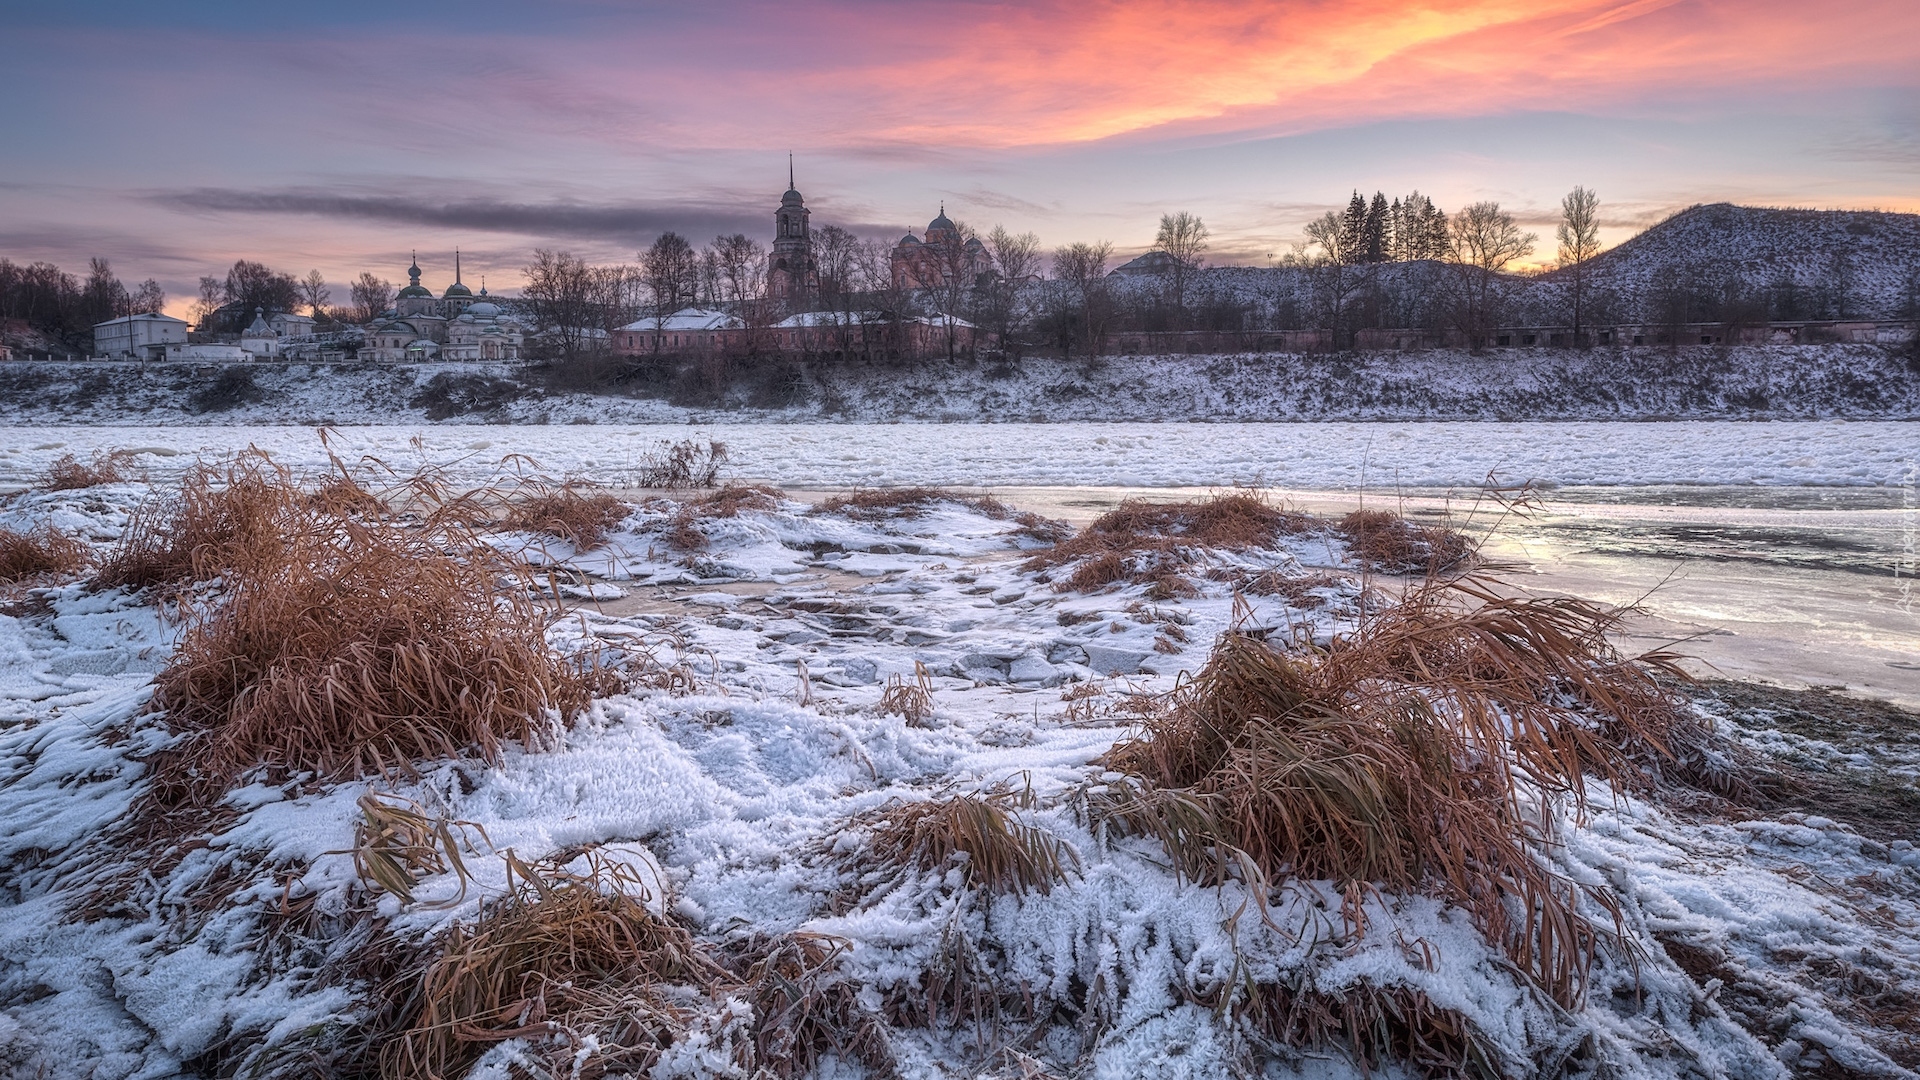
(908, 240)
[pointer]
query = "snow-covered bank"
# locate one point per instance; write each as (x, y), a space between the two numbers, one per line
(1320, 456)
(734, 793)
(1783, 382)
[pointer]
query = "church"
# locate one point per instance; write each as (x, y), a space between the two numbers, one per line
(941, 260)
(457, 325)
(933, 263)
(793, 275)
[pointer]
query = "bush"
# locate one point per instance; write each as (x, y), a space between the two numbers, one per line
(232, 388)
(1390, 544)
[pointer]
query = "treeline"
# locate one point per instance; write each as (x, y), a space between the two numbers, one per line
(65, 307)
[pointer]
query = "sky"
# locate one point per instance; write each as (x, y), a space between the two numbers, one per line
(343, 135)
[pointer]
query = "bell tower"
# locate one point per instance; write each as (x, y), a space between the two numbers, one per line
(792, 275)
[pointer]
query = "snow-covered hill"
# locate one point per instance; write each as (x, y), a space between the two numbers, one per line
(1861, 263)
(1783, 382)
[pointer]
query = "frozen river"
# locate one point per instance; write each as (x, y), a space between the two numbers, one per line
(1776, 547)
(1315, 456)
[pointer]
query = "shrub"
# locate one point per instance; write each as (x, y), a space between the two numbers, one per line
(683, 528)
(219, 514)
(683, 464)
(998, 851)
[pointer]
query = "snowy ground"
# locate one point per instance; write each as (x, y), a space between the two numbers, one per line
(1764, 945)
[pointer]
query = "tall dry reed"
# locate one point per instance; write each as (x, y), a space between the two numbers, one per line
(1423, 753)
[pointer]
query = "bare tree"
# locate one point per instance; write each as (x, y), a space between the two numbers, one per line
(1183, 237)
(1081, 273)
(671, 271)
(1339, 271)
(212, 290)
(251, 285)
(1485, 240)
(314, 292)
(103, 295)
(836, 251)
(957, 271)
(1579, 234)
(371, 297)
(567, 298)
(148, 299)
(886, 298)
(1016, 264)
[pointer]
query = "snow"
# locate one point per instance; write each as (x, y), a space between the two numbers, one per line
(731, 799)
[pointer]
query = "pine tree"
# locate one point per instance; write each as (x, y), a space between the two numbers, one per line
(1397, 232)
(1376, 229)
(1353, 230)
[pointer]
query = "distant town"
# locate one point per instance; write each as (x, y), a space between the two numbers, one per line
(1384, 274)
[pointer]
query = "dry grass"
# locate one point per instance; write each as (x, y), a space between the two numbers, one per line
(997, 851)
(684, 464)
(911, 700)
(219, 515)
(1299, 590)
(571, 512)
(909, 503)
(804, 1011)
(342, 645)
(397, 843)
(1157, 544)
(683, 528)
(42, 552)
(1376, 1027)
(1417, 755)
(1390, 544)
(68, 473)
(575, 961)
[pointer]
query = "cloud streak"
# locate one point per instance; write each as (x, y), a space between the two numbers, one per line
(634, 222)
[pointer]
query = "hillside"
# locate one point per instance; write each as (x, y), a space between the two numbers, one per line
(1799, 382)
(1841, 263)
